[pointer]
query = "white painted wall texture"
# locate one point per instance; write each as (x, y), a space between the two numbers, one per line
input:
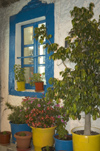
(62, 27)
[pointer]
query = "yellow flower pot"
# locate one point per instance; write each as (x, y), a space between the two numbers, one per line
(86, 143)
(42, 137)
(20, 86)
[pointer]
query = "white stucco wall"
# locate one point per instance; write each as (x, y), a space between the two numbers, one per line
(62, 27)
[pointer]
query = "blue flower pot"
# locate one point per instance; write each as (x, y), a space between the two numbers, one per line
(63, 145)
(17, 128)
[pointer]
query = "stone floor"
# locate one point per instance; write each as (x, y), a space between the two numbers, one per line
(10, 147)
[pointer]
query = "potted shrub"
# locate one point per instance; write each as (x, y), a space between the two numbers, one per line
(17, 119)
(63, 140)
(43, 117)
(79, 88)
(48, 148)
(19, 77)
(23, 140)
(37, 80)
(5, 137)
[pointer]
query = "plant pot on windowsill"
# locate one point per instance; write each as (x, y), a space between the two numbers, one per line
(36, 80)
(39, 86)
(19, 77)
(20, 85)
(23, 139)
(5, 137)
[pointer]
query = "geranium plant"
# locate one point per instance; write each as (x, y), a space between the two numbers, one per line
(36, 77)
(44, 114)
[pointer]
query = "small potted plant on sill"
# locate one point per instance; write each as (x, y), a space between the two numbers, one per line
(36, 80)
(23, 139)
(17, 119)
(19, 77)
(5, 137)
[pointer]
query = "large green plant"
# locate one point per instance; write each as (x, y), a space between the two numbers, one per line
(79, 88)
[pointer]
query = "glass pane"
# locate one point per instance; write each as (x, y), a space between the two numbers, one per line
(41, 50)
(28, 35)
(41, 60)
(28, 51)
(28, 73)
(41, 69)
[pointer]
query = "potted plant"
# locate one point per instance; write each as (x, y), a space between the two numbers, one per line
(37, 80)
(43, 117)
(79, 88)
(19, 77)
(23, 140)
(48, 148)
(63, 140)
(17, 119)
(5, 137)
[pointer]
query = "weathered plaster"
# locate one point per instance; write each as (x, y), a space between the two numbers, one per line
(62, 27)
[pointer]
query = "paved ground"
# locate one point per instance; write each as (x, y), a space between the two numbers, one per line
(10, 147)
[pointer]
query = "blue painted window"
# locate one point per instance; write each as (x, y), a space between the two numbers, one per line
(33, 53)
(27, 51)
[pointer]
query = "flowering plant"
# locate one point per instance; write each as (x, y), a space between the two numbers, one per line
(36, 77)
(43, 114)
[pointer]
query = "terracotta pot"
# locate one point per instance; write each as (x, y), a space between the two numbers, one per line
(5, 138)
(39, 86)
(23, 142)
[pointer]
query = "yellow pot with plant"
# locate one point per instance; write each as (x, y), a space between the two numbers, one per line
(19, 77)
(43, 117)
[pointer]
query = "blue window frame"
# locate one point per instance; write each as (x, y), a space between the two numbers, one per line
(32, 52)
(34, 12)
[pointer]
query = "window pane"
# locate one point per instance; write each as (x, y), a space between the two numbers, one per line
(28, 35)
(41, 60)
(28, 51)
(41, 69)
(41, 50)
(28, 73)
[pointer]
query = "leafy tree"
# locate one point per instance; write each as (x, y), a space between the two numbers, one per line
(79, 88)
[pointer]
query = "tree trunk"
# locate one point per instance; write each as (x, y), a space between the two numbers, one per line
(87, 127)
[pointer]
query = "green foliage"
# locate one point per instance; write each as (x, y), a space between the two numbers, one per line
(17, 115)
(22, 134)
(36, 77)
(79, 88)
(4, 133)
(43, 114)
(19, 73)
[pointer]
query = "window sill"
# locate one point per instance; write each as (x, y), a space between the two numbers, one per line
(28, 92)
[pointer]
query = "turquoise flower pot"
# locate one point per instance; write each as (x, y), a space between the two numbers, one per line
(64, 145)
(17, 128)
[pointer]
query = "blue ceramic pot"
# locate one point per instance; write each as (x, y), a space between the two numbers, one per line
(63, 145)
(17, 128)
